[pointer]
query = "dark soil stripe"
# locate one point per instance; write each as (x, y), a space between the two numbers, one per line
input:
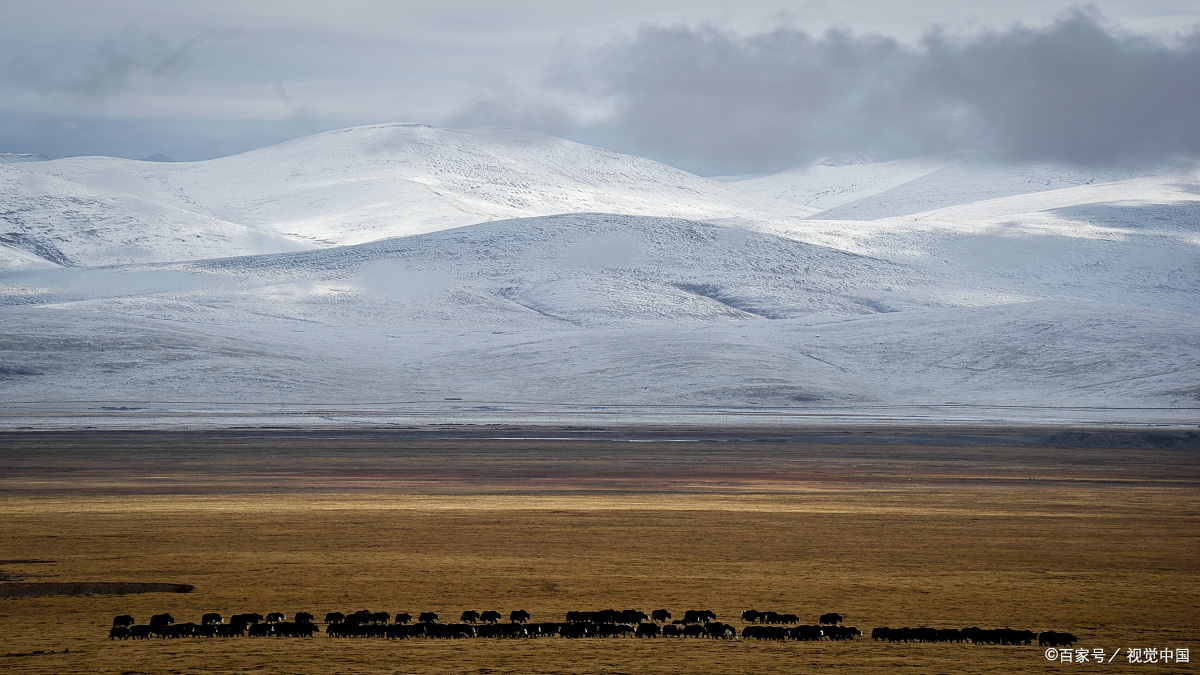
(15, 590)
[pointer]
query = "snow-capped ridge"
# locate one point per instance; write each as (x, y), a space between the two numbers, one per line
(362, 184)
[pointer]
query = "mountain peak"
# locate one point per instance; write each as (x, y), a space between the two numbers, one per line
(845, 159)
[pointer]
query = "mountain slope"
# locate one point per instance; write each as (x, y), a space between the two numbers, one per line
(342, 187)
(56, 221)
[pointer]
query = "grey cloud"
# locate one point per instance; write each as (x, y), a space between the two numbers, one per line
(1076, 91)
(110, 65)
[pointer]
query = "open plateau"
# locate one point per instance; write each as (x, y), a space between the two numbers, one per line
(405, 369)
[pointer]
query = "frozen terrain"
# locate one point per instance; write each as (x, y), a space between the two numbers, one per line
(401, 273)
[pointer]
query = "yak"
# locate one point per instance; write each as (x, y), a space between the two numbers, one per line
(1049, 638)
(211, 619)
(647, 630)
(698, 616)
(518, 616)
(469, 616)
(490, 616)
(672, 630)
(276, 617)
(160, 621)
(335, 618)
(427, 617)
(751, 615)
(304, 617)
(660, 615)
(123, 620)
(831, 618)
(403, 617)
(718, 630)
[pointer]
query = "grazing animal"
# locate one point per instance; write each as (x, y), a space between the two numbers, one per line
(1049, 638)
(427, 617)
(380, 617)
(490, 616)
(469, 616)
(751, 615)
(660, 615)
(211, 619)
(304, 617)
(276, 617)
(123, 620)
(518, 616)
(831, 618)
(842, 632)
(159, 622)
(403, 617)
(720, 631)
(118, 633)
(334, 618)
(647, 630)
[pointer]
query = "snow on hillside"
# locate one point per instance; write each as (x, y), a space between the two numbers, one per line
(859, 189)
(966, 181)
(1134, 242)
(825, 186)
(54, 221)
(343, 187)
(587, 310)
(411, 265)
(573, 270)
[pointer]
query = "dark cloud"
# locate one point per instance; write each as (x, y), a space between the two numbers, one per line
(1077, 91)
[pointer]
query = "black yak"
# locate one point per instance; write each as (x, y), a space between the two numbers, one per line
(123, 620)
(518, 616)
(1049, 638)
(660, 615)
(647, 630)
(159, 622)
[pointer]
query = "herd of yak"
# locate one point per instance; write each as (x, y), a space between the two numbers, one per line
(602, 623)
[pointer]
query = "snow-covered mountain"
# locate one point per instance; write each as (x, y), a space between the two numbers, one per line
(342, 187)
(857, 188)
(407, 268)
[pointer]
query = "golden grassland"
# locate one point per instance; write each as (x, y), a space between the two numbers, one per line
(1117, 566)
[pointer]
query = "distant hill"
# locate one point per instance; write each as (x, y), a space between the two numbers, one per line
(497, 274)
(13, 157)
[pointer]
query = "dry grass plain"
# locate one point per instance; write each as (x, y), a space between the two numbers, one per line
(886, 535)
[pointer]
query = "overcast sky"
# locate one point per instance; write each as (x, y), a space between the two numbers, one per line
(707, 85)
